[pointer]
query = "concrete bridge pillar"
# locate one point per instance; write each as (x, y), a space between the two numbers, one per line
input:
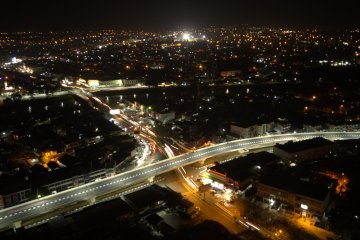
(92, 200)
(16, 225)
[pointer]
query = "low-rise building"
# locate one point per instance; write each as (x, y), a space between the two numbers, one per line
(248, 130)
(230, 73)
(13, 190)
(294, 152)
(313, 127)
(70, 144)
(63, 179)
(240, 172)
(303, 198)
(165, 117)
(94, 83)
(147, 199)
(282, 126)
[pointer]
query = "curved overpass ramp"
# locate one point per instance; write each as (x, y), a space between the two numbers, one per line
(13, 216)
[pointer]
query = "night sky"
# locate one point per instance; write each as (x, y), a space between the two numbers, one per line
(164, 15)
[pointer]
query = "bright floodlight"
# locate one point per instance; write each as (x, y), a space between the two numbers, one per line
(304, 206)
(186, 36)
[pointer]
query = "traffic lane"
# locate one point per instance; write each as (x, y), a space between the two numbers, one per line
(208, 210)
(55, 202)
(171, 163)
(38, 210)
(73, 195)
(44, 208)
(192, 157)
(212, 212)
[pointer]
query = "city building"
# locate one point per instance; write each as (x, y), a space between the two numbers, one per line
(165, 117)
(147, 199)
(94, 83)
(293, 195)
(282, 126)
(230, 73)
(239, 173)
(64, 179)
(294, 152)
(188, 209)
(13, 190)
(247, 130)
(312, 127)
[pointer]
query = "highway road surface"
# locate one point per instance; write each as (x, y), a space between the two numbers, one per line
(12, 217)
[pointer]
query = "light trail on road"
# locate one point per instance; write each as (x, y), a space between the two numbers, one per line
(89, 191)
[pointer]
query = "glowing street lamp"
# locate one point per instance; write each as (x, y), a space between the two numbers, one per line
(304, 206)
(186, 36)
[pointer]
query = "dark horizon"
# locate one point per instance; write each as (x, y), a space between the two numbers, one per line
(159, 15)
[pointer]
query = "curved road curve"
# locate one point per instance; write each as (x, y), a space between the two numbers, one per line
(27, 210)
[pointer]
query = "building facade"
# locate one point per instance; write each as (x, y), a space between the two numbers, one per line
(248, 131)
(61, 185)
(307, 205)
(165, 117)
(10, 199)
(294, 152)
(94, 83)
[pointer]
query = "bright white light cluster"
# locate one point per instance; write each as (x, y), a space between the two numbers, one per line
(186, 36)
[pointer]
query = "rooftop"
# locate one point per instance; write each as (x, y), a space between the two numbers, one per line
(154, 219)
(57, 175)
(105, 212)
(246, 123)
(294, 185)
(292, 147)
(146, 197)
(12, 184)
(243, 167)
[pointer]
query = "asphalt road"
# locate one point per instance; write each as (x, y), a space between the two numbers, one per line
(89, 191)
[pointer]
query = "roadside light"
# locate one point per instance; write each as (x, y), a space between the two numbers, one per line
(304, 206)
(186, 36)
(39, 196)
